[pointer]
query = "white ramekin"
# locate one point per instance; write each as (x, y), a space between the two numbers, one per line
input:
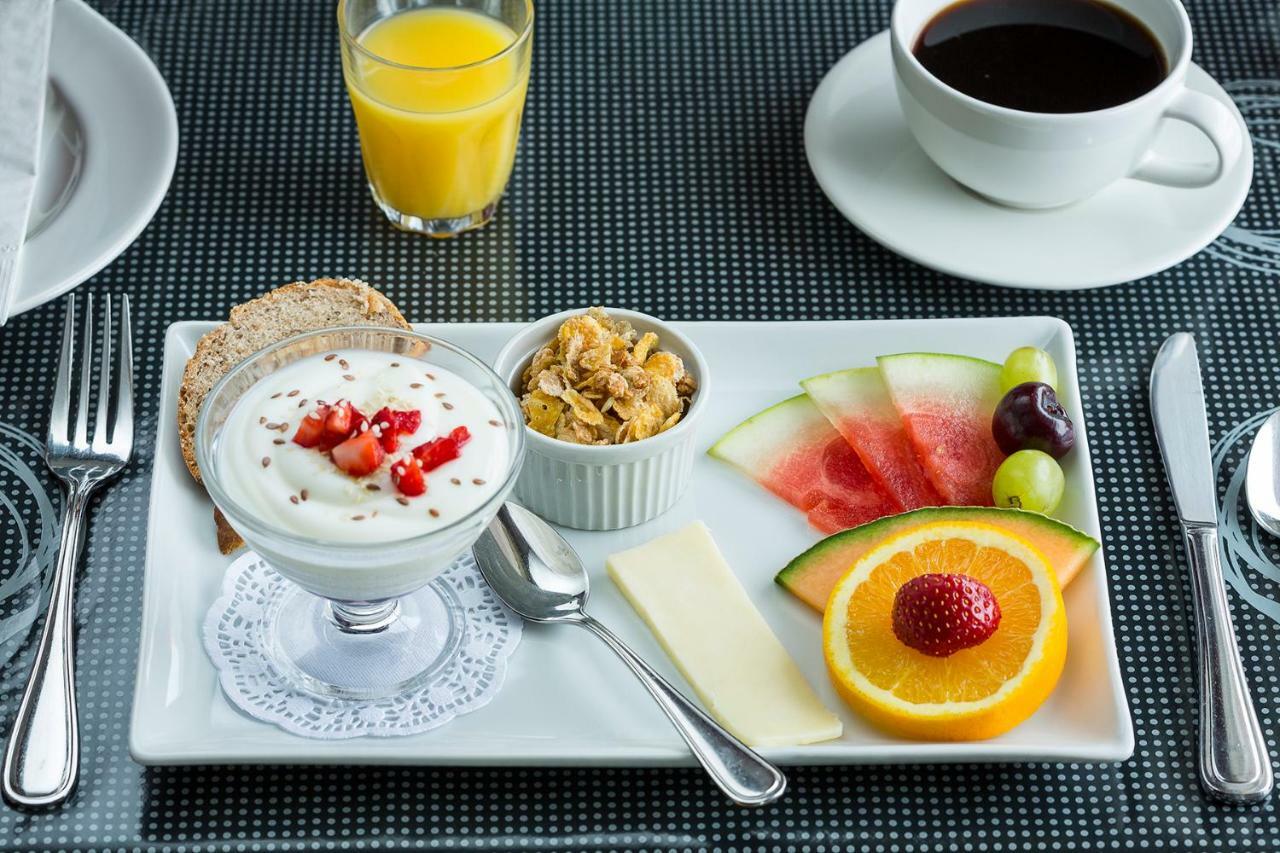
(605, 488)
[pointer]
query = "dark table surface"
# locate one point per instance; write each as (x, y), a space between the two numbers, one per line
(662, 169)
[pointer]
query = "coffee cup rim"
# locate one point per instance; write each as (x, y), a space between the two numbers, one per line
(905, 47)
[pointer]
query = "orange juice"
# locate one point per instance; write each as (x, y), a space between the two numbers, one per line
(438, 123)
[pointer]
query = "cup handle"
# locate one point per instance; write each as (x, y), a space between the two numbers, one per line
(1213, 120)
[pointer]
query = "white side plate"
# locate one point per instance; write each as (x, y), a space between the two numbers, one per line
(567, 701)
(107, 153)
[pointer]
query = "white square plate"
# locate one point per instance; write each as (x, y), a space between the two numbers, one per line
(567, 701)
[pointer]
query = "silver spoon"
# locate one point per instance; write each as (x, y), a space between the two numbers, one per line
(539, 575)
(1262, 479)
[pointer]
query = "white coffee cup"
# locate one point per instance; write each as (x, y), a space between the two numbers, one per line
(1039, 160)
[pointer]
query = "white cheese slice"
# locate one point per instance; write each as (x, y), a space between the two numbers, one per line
(684, 590)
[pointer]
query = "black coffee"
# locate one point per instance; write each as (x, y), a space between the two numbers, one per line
(1042, 56)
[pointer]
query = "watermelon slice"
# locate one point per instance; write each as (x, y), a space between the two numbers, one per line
(946, 403)
(811, 576)
(795, 453)
(858, 405)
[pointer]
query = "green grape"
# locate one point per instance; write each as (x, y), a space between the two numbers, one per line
(1028, 364)
(1029, 479)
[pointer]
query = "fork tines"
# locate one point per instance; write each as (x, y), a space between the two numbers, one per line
(119, 443)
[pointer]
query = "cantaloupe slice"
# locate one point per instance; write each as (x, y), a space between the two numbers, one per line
(811, 576)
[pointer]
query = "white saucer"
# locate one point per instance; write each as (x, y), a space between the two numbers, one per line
(875, 174)
(107, 153)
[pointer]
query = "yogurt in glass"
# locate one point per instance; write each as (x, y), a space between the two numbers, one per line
(366, 616)
(302, 490)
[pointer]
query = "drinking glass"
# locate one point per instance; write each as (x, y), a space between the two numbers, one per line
(438, 139)
(366, 619)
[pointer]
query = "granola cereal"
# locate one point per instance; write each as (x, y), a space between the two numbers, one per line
(600, 382)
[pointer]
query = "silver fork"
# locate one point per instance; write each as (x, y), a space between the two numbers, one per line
(42, 758)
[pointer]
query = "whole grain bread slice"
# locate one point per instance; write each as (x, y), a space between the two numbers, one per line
(284, 312)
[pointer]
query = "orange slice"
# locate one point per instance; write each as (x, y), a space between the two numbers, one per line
(976, 692)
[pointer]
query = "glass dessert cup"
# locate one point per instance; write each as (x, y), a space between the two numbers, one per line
(366, 619)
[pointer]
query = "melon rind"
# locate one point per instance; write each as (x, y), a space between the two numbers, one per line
(912, 376)
(812, 575)
(859, 390)
(755, 442)
(785, 449)
(961, 392)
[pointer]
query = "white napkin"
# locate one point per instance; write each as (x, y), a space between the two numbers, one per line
(25, 26)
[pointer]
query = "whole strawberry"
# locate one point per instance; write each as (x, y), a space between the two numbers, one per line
(940, 614)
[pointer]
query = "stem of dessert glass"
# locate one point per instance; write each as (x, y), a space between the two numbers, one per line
(363, 617)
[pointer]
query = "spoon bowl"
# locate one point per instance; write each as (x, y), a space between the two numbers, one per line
(531, 567)
(1262, 477)
(538, 575)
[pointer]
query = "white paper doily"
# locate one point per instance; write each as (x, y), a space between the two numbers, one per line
(234, 638)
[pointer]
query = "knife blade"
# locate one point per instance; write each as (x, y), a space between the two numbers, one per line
(1182, 429)
(1233, 760)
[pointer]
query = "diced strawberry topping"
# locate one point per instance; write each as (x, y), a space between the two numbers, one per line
(444, 449)
(384, 423)
(311, 432)
(392, 424)
(359, 445)
(359, 455)
(407, 474)
(390, 439)
(342, 418)
(407, 421)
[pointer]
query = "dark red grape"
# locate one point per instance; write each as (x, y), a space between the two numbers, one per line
(1031, 418)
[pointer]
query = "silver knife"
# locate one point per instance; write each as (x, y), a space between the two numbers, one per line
(1234, 763)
